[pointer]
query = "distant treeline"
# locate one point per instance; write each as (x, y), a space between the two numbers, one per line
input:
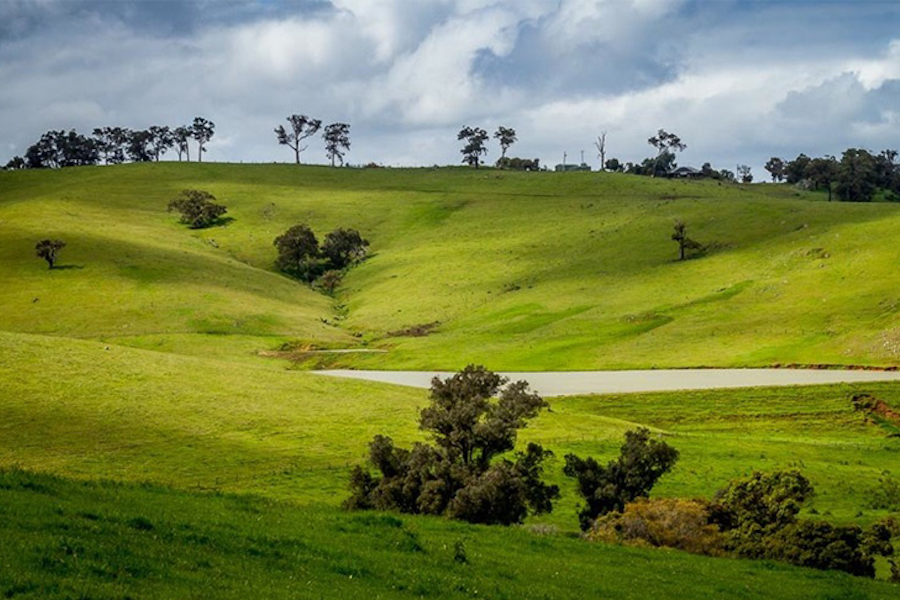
(114, 145)
(858, 177)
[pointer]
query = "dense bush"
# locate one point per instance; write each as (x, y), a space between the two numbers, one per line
(300, 256)
(666, 522)
(642, 461)
(197, 208)
(460, 475)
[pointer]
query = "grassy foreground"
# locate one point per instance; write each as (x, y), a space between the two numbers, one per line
(527, 271)
(64, 539)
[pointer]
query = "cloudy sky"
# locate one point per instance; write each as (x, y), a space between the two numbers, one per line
(738, 80)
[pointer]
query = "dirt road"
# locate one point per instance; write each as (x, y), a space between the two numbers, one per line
(569, 383)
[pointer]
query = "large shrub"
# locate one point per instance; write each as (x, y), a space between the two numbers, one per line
(197, 208)
(641, 462)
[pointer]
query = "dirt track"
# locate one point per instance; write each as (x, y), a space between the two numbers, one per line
(570, 383)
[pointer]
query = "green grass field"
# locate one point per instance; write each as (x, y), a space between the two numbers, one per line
(139, 361)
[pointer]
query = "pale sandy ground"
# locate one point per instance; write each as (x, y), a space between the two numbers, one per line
(570, 383)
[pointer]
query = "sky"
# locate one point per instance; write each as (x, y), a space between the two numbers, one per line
(738, 80)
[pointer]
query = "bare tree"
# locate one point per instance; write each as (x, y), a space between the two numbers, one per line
(601, 149)
(301, 128)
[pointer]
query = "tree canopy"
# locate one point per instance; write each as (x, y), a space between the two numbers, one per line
(474, 148)
(198, 208)
(337, 141)
(474, 417)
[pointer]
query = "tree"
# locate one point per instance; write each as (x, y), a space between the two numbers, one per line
(160, 140)
(202, 130)
(775, 167)
(614, 165)
(180, 137)
(16, 163)
(298, 251)
(744, 173)
(139, 146)
(684, 242)
(856, 176)
(474, 148)
(507, 137)
(601, 149)
(58, 149)
(795, 170)
(49, 250)
(197, 208)
(337, 136)
(641, 462)
(111, 144)
(665, 142)
(461, 475)
(343, 247)
(302, 127)
(822, 172)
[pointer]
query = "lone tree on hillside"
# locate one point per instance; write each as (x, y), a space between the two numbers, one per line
(684, 242)
(474, 148)
(301, 127)
(507, 137)
(665, 143)
(298, 253)
(642, 461)
(600, 144)
(337, 136)
(744, 172)
(49, 250)
(343, 247)
(460, 475)
(197, 208)
(202, 130)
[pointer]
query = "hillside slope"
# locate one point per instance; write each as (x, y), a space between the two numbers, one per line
(514, 270)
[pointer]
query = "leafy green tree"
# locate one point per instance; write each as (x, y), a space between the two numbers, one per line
(197, 208)
(202, 130)
(180, 137)
(138, 148)
(665, 143)
(745, 173)
(16, 163)
(775, 167)
(49, 250)
(161, 139)
(343, 247)
(614, 165)
(337, 138)
(641, 462)
(474, 148)
(856, 176)
(795, 170)
(298, 252)
(461, 475)
(685, 243)
(822, 172)
(111, 144)
(301, 127)
(506, 137)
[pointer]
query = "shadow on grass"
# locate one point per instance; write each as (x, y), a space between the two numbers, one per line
(65, 267)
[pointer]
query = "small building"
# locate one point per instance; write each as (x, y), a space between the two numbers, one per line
(686, 173)
(567, 168)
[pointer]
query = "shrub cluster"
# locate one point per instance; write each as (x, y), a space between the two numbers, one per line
(300, 255)
(754, 517)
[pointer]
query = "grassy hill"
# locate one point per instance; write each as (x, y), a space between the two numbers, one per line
(64, 539)
(518, 270)
(139, 360)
